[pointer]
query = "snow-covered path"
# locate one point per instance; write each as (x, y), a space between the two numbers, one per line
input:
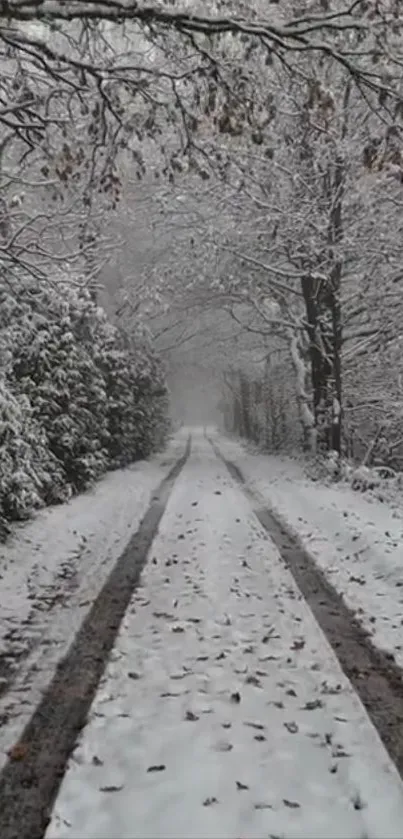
(223, 712)
(52, 569)
(354, 538)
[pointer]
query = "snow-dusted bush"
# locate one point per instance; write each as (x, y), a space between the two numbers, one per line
(30, 476)
(137, 400)
(53, 368)
(364, 478)
(76, 396)
(326, 468)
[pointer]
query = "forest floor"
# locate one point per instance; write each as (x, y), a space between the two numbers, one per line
(243, 685)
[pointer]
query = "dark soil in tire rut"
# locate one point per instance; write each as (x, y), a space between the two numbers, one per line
(31, 778)
(375, 677)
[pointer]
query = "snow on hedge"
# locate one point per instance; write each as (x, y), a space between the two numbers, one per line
(77, 395)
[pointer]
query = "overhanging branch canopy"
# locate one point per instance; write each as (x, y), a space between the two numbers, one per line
(353, 21)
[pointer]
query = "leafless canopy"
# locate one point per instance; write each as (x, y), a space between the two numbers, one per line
(351, 33)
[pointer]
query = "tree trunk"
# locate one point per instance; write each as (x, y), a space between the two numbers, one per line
(335, 237)
(237, 424)
(245, 407)
(320, 365)
(321, 284)
(307, 418)
(324, 321)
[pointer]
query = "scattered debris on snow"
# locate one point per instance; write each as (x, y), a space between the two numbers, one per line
(354, 538)
(318, 770)
(51, 570)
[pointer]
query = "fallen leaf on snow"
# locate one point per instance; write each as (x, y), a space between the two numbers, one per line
(241, 786)
(18, 752)
(168, 693)
(269, 658)
(339, 752)
(290, 803)
(329, 689)
(269, 636)
(223, 746)
(111, 788)
(291, 727)
(313, 705)
(191, 717)
(253, 680)
(357, 802)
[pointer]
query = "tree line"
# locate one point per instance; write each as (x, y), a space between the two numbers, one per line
(78, 396)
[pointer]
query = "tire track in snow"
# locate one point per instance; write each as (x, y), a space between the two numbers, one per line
(377, 680)
(30, 780)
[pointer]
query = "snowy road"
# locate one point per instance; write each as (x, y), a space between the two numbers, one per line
(223, 712)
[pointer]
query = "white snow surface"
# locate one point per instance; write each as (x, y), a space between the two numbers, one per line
(354, 538)
(168, 750)
(52, 569)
